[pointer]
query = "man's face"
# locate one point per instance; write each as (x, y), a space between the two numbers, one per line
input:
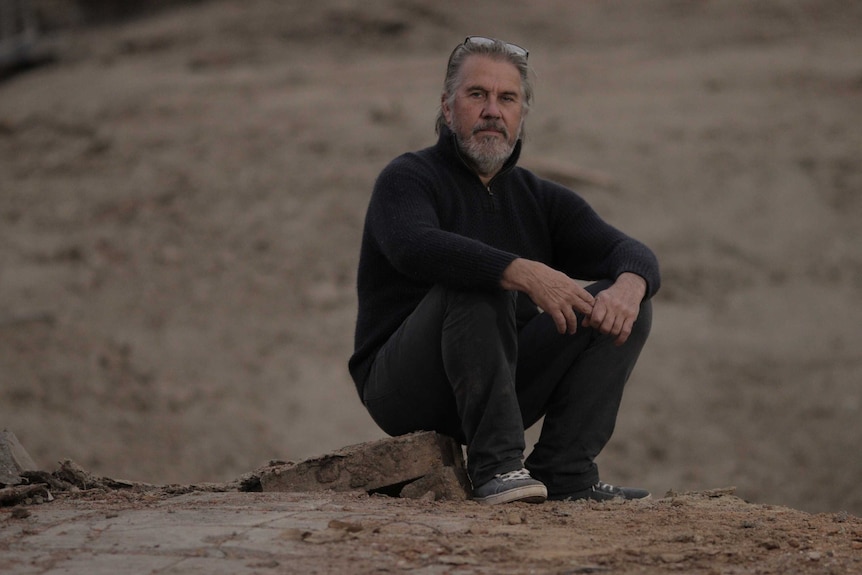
(486, 113)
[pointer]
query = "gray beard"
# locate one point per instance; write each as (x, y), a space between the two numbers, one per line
(487, 154)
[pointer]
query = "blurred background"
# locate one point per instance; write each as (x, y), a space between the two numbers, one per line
(183, 186)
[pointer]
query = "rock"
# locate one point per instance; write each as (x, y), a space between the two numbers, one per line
(433, 462)
(444, 483)
(14, 459)
(514, 518)
(25, 494)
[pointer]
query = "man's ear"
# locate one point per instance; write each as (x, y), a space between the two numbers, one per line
(447, 111)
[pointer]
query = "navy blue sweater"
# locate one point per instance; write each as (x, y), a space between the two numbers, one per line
(431, 221)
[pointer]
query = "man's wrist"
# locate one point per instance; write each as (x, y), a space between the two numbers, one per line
(634, 281)
(513, 275)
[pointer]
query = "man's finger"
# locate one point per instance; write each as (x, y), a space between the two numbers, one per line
(560, 321)
(584, 303)
(598, 315)
(571, 321)
(625, 332)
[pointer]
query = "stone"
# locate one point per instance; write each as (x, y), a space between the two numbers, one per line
(386, 465)
(444, 483)
(14, 459)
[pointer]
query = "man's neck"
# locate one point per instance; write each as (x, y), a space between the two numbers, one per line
(486, 179)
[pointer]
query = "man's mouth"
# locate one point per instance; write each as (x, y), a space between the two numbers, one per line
(489, 130)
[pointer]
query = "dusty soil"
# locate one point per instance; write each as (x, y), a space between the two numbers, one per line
(244, 533)
(181, 201)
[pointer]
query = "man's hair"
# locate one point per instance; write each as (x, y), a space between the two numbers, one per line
(497, 50)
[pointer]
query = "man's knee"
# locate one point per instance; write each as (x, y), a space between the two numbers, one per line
(643, 324)
(479, 328)
(480, 306)
(494, 298)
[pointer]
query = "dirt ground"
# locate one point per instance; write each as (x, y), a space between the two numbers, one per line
(182, 196)
(709, 533)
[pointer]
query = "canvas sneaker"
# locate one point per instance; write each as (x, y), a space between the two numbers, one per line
(604, 492)
(512, 486)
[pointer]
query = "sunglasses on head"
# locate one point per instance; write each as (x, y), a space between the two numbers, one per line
(483, 41)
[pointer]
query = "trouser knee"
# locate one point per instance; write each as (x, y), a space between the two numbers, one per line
(498, 300)
(643, 325)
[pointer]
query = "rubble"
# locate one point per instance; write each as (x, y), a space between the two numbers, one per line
(423, 465)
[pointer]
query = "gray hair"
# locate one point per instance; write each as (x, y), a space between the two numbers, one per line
(497, 50)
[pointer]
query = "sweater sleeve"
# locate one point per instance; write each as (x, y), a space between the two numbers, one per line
(589, 248)
(404, 221)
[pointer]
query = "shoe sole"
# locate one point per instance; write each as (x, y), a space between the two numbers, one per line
(527, 494)
(602, 500)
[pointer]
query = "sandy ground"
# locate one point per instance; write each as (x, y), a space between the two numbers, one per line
(94, 533)
(181, 201)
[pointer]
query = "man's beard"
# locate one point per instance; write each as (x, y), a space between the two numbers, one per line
(487, 153)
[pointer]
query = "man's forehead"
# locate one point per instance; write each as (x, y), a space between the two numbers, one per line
(485, 71)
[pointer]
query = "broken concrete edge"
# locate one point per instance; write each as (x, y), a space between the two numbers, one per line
(384, 466)
(14, 459)
(422, 465)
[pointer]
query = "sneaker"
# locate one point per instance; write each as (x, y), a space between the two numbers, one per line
(604, 492)
(513, 486)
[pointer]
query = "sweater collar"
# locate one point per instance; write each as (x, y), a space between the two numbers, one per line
(449, 144)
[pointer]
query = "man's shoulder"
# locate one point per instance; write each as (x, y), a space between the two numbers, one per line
(424, 161)
(540, 185)
(422, 156)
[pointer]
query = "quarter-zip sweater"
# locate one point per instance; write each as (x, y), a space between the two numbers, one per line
(431, 220)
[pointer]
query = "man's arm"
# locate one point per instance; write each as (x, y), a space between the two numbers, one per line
(556, 293)
(589, 248)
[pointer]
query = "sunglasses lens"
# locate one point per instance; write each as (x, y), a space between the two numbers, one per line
(483, 41)
(480, 40)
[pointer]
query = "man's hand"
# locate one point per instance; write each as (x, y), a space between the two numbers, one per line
(612, 311)
(556, 293)
(616, 308)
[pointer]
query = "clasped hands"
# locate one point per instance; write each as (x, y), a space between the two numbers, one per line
(612, 311)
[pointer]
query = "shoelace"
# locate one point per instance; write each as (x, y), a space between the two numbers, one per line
(602, 486)
(516, 475)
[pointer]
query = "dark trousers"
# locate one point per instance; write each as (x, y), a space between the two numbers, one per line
(460, 365)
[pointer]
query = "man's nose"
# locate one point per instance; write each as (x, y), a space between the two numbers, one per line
(492, 110)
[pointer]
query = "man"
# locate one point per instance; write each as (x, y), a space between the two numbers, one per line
(470, 323)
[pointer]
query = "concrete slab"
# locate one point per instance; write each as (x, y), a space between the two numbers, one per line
(109, 564)
(431, 464)
(237, 533)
